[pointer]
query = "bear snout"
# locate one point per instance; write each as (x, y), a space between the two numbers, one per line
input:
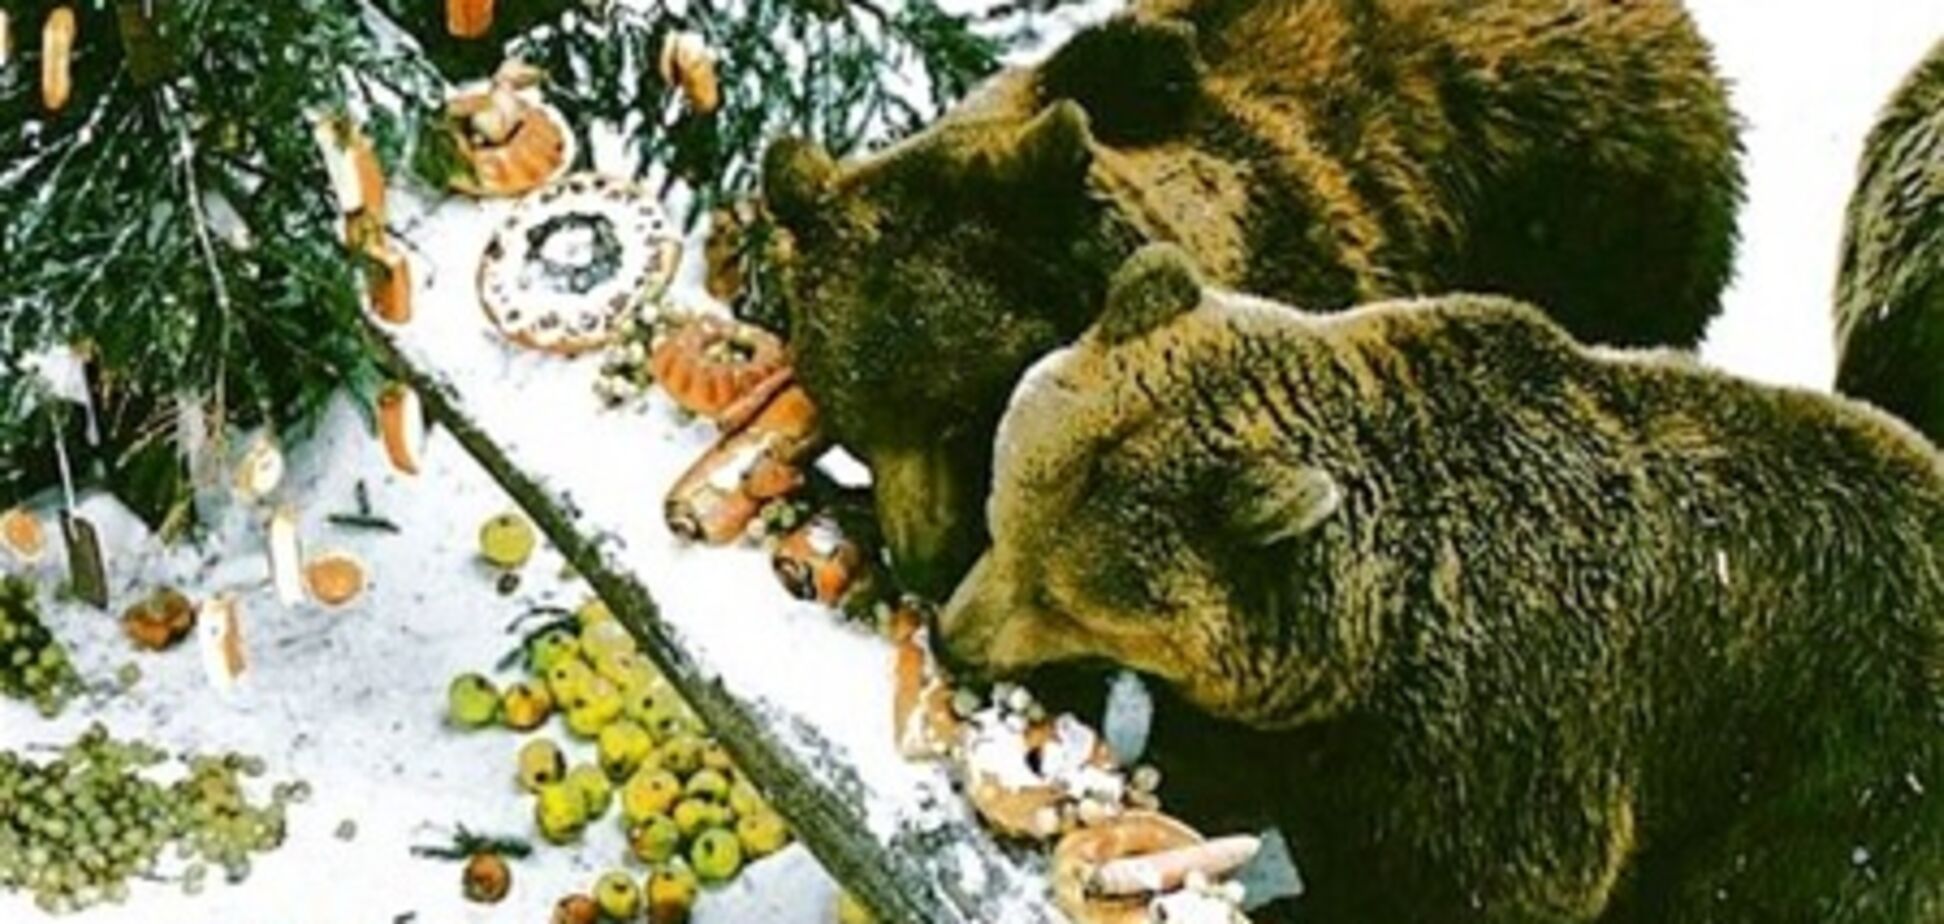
(964, 628)
(930, 524)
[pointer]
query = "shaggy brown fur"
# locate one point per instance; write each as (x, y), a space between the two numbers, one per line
(1890, 294)
(1321, 152)
(1549, 633)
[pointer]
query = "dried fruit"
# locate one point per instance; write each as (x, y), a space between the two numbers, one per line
(286, 557)
(401, 418)
(688, 64)
(759, 457)
(335, 578)
(922, 713)
(260, 470)
(22, 536)
(471, 701)
(57, 50)
(487, 878)
(224, 653)
(1030, 812)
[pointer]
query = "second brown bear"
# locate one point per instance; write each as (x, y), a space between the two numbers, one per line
(1578, 155)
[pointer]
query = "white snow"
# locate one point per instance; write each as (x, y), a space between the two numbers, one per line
(1808, 79)
(352, 701)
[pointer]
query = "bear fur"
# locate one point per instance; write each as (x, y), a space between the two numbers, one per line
(1323, 153)
(1541, 632)
(1890, 288)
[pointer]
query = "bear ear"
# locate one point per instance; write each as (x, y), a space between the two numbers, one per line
(1277, 498)
(1052, 151)
(1156, 285)
(798, 177)
(1138, 77)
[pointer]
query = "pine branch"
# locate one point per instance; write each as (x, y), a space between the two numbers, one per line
(118, 250)
(103, 250)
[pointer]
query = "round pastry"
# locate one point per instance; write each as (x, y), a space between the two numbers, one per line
(573, 260)
(708, 363)
(513, 141)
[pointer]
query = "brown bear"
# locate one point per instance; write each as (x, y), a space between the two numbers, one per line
(1890, 288)
(1323, 153)
(1546, 632)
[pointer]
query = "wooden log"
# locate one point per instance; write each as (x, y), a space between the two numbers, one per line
(777, 686)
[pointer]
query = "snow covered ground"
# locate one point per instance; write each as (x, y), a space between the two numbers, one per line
(350, 700)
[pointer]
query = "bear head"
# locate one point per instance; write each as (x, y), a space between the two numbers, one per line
(1146, 511)
(919, 283)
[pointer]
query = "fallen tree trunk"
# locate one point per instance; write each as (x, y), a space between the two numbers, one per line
(801, 700)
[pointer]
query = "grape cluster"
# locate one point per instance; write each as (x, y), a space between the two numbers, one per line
(79, 826)
(33, 665)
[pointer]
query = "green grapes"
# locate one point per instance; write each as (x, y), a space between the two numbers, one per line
(81, 825)
(33, 665)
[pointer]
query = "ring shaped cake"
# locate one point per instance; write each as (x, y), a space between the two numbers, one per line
(573, 260)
